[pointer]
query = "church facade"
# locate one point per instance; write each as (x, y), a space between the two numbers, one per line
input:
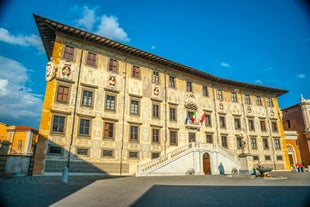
(111, 108)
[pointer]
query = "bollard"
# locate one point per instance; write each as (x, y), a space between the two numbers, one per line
(64, 175)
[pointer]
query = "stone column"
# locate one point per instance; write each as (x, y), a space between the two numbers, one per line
(246, 163)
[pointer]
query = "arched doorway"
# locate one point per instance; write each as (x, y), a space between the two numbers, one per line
(206, 164)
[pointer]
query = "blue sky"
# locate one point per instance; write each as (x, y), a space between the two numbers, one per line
(264, 42)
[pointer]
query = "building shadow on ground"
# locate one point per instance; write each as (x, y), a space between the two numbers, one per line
(223, 196)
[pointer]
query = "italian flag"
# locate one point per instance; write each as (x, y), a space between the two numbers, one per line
(194, 116)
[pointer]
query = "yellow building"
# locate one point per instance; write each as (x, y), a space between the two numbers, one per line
(111, 108)
(21, 138)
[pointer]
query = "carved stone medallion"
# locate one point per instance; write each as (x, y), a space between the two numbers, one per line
(190, 102)
(50, 70)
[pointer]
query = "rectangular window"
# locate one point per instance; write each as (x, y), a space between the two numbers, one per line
(267, 157)
(82, 151)
(87, 99)
(239, 142)
(68, 53)
(171, 82)
(173, 137)
(237, 123)
(265, 144)
(172, 114)
(205, 91)
(155, 155)
(247, 99)
(263, 125)
(234, 97)
(251, 124)
(110, 103)
(108, 130)
(20, 144)
(288, 123)
(274, 126)
(54, 150)
(219, 95)
(113, 65)
(208, 120)
(135, 71)
(155, 77)
(155, 135)
(224, 141)
(84, 128)
(107, 153)
(63, 94)
(134, 107)
(255, 157)
(279, 157)
(222, 122)
(91, 59)
(258, 101)
(209, 138)
(134, 133)
(133, 154)
(253, 143)
(189, 86)
(277, 144)
(58, 124)
(155, 111)
(269, 102)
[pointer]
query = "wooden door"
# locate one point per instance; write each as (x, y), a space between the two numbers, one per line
(206, 164)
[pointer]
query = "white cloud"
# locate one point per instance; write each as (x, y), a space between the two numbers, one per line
(106, 26)
(109, 27)
(17, 102)
(226, 65)
(153, 47)
(259, 82)
(301, 75)
(21, 40)
(88, 19)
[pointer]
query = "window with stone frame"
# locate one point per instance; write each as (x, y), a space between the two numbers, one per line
(258, 101)
(269, 102)
(247, 99)
(219, 95)
(108, 153)
(155, 155)
(133, 154)
(134, 107)
(156, 136)
(110, 103)
(224, 141)
(54, 150)
(234, 97)
(253, 143)
(237, 123)
(113, 65)
(274, 126)
(58, 124)
(209, 138)
(251, 125)
(155, 110)
(222, 122)
(62, 94)
(68, 53)
(87, 99)
(172, 114)
(267, 157)
(173, 137)
(239, 142)
(205, 91)
(136, 71)
(82, 151)
(265, 144)
(84, 127)
(108, 131)
(263, 125)
(189, 87)
(255, 157)
(91, 59)
(277, 144)
(279, 157)
(208, 120)
(134, 133)
(155, 77)
(172, 82)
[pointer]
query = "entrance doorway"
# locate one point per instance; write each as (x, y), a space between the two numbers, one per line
(191, 137)
(206, 164)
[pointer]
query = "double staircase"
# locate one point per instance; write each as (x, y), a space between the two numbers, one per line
(184, 158)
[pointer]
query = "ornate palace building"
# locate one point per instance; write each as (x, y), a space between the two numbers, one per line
(111, 108)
